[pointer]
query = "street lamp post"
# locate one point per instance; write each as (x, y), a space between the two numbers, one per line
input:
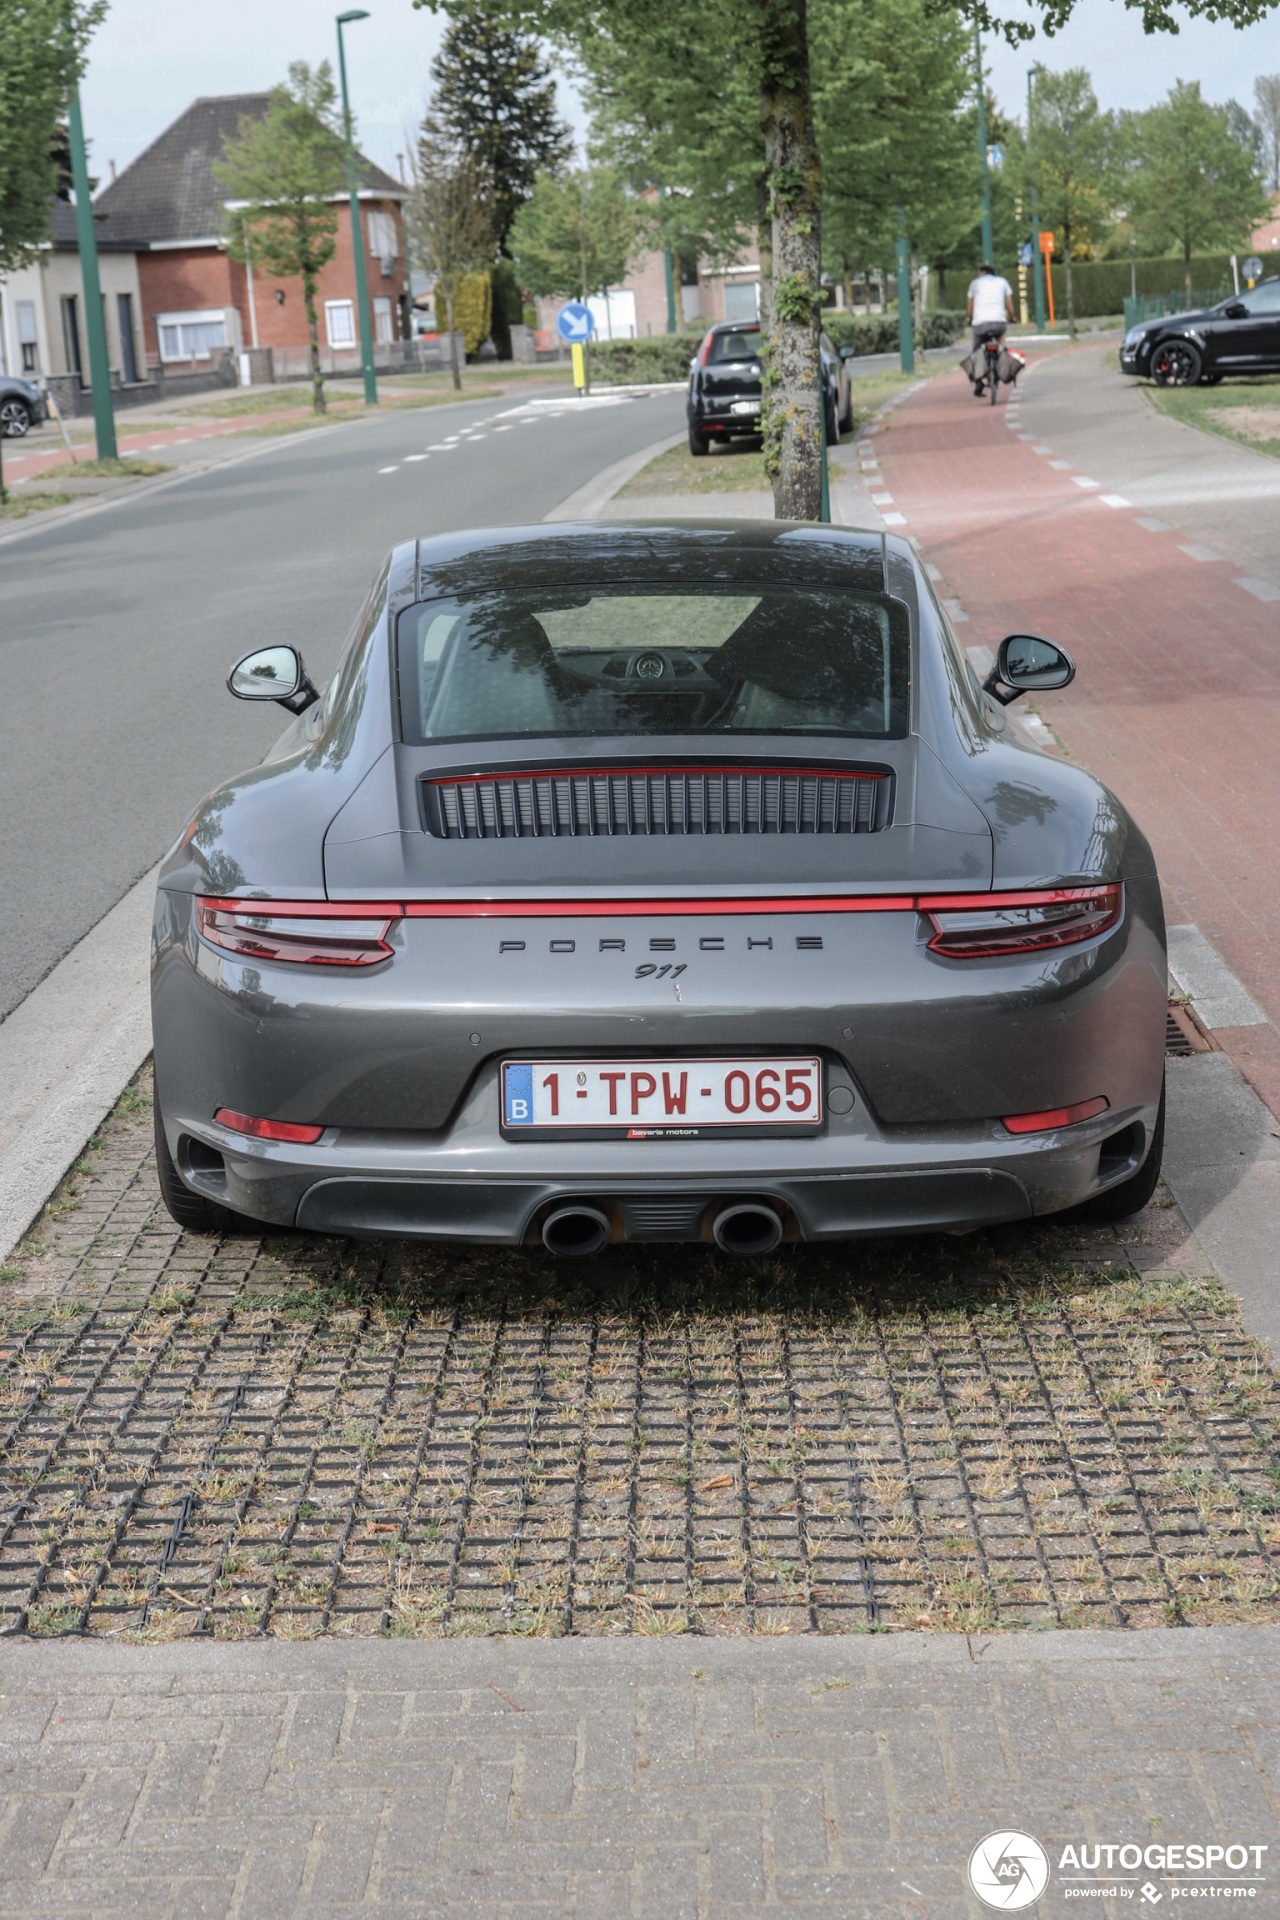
(1037, 258)
(906, 345)
(988, 241)
(357, 236)
(104, 419)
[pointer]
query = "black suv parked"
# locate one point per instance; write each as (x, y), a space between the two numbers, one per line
(1241, 335)
(725, 390)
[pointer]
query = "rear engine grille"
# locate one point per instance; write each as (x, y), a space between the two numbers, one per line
(683, 801)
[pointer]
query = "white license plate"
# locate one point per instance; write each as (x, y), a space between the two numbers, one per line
(662, 1096)
(746, 406)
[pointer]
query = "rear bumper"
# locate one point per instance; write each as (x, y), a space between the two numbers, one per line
(400, 1066)
(471, 1184)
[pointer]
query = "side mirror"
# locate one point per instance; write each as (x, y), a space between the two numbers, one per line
(1236, 310)
(273, 673)
(848, 353)
(1027, 664)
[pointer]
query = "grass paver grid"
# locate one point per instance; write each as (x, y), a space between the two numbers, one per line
(1043, 1427)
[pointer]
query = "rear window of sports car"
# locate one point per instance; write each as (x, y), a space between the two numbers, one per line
(706, 661)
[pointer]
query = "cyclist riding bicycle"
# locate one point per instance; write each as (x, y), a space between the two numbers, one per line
(990, 309)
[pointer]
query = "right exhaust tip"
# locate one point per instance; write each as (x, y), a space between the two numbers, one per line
(575, 1232)
(747, 1230)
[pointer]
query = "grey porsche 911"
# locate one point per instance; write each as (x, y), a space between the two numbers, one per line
(636, 882)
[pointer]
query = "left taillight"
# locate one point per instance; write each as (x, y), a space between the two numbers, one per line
(982, 926)
(301, 933)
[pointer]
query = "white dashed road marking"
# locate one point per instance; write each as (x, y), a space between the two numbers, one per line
(1061, 466)
(1083, 480)
(1152, 525)
(1260, 589)
(414, 456)
(895, 519)
(1199, 553)
(1114, 500)
(389, 469)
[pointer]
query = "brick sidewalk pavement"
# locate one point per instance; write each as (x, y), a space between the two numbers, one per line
(834, 1779)
(1176, 702)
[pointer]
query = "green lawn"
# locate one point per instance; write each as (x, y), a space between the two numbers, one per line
(1247, 411)
(126, 469)
(17, 506)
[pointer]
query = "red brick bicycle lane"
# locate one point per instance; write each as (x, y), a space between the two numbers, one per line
(1175, 703)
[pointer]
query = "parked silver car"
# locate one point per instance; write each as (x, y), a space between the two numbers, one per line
(639, 882)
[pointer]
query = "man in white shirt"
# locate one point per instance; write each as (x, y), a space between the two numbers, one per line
(990, 305)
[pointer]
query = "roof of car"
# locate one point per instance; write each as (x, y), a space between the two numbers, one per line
(769, 552)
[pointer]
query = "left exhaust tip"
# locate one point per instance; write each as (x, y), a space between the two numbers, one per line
(573, 1232)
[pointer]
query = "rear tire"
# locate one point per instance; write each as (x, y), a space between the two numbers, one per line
(698, 442)
(1133, 1194)
(1176, 364)
(192, 1211)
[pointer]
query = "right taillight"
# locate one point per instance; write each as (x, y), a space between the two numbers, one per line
(301, 933)
(981, 926)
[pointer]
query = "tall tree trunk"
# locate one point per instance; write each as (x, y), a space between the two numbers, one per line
(313, 336)
(453, 338)
(1186, 266)
(792, 421)
(1071, 292)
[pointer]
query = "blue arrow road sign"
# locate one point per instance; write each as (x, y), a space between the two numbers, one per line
(574, 322)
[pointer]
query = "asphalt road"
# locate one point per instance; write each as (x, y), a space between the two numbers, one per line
(117, 628)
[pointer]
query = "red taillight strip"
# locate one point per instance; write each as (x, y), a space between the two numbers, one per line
(994, 902)
(621, 909)
(570, 909)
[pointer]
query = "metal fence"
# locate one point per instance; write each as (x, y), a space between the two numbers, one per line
(1155, 306)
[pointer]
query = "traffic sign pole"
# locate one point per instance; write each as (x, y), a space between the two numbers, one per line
(578, 356)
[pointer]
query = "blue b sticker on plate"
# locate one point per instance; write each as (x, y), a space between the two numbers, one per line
(517, 1094)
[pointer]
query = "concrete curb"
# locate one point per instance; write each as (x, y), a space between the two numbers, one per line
(66, 1054)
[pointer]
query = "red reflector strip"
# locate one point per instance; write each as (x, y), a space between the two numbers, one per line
(1054, 1117)
(267, 1129)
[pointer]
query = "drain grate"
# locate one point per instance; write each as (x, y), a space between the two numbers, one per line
(1183, 1035)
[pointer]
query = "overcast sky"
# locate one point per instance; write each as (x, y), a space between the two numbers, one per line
(151, 58)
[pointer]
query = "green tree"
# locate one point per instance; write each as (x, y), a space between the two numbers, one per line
(494, 95)
(1194, 184)
(449, 223)
(282, 175)
(894, 80)
(1266, 91)
(42, 49)
(771, 39)
(576, 233)
(1071, 148)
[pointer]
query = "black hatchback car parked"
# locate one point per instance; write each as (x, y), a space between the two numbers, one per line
(1239, 335)
(725, 390)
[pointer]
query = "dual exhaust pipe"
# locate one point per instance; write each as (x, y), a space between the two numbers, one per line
(747, 1229)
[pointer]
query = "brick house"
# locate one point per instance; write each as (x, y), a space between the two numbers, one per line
(196, 301)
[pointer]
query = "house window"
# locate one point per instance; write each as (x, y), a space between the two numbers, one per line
(340, 323)
(742, 299)
(382, 331)
(191, 336)
(382, 239)
(71, 334)
(28, 336)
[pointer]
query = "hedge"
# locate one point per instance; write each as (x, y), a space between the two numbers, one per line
(666, 356)
(878, 332)
(1102, 286)
(658, 356)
